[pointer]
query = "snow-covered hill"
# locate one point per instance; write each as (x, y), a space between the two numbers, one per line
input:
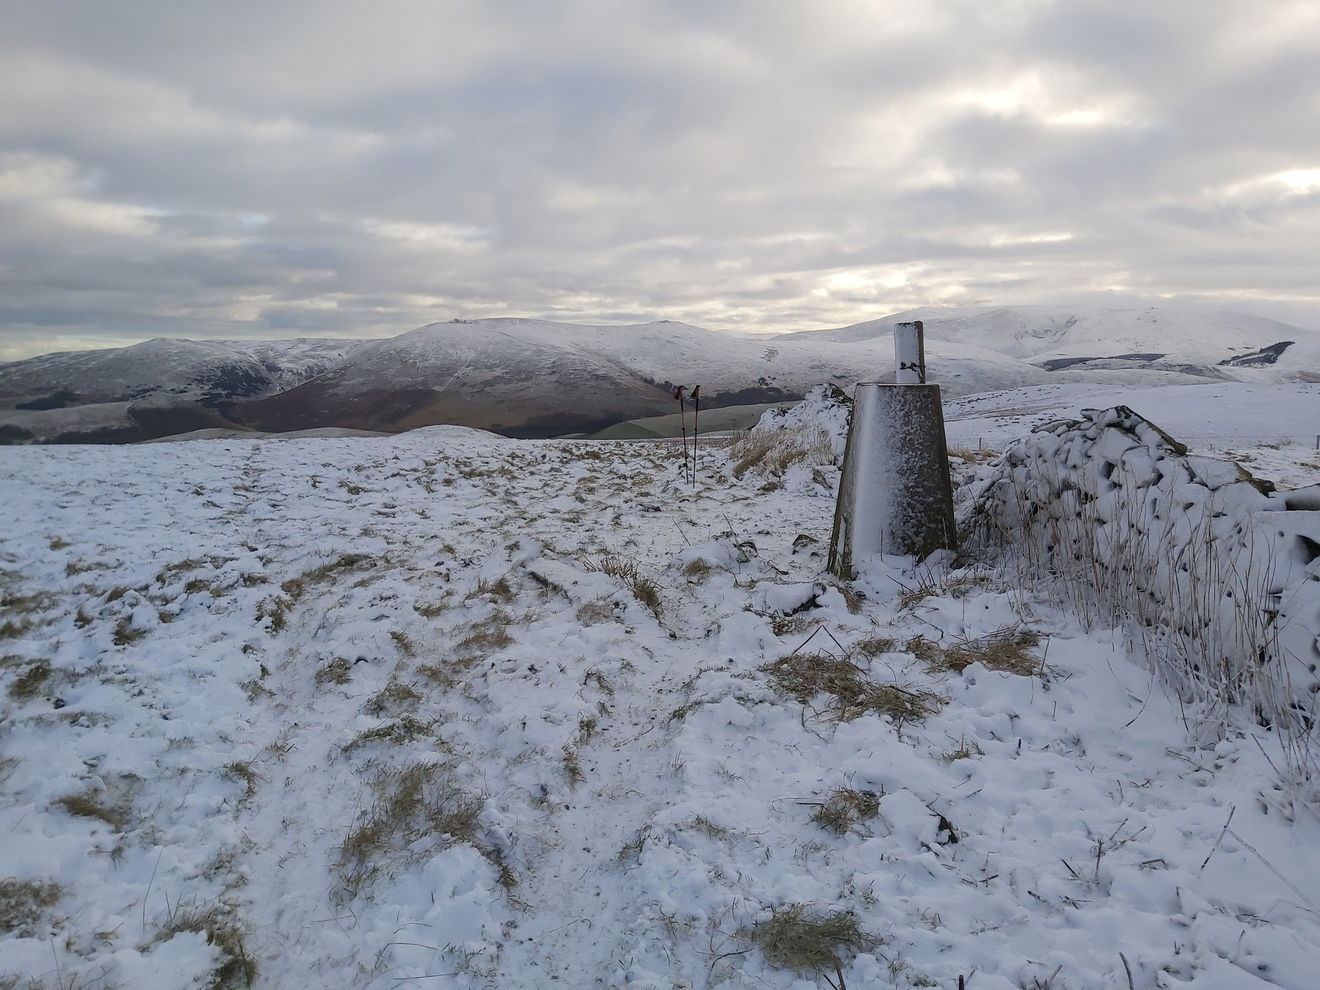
(530, 377)
(1043, 335)
(538, 378)
(205, 371)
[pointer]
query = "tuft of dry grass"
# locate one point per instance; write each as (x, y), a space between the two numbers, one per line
(336, 671)
(23, 903)
(572, 766)
(245, 771)
(697, 570)
(951, 586)
(13, 628)
(125, 632)
(631, 850)
(86, 805)
(709, 828)
(28, 683)
(221, 928)
(642, 588)
(429, 610)
(772, 452)
(852, 692)
(796, 937)
(24, 605)
(852, 600)
(962, 750)
(873, 646)
(276, 609)
(845, 808)
(395, 732)
(418, 801)
(76, 567)
(594, 611)
(394, 698)
(448, 673)
(973, 456)
(490, 636)
(498, 589)
(171, 571)
(926, 650)
(1007, 649)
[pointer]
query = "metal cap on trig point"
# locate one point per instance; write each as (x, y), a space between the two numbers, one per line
(910, 353)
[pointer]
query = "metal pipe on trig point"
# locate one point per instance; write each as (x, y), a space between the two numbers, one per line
(910, 353)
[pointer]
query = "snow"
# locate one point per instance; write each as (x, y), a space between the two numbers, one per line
(1041, 333)
(1273, 428)
(535, 377)
(175, 368)
(1217, 576)
(227, 663)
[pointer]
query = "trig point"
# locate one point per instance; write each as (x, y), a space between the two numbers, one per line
(895, 496)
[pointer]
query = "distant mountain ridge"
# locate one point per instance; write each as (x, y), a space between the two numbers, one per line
(1038, 334)
(526, 377)
(204, 371)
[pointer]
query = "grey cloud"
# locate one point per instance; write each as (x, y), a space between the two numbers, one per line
(335, 167)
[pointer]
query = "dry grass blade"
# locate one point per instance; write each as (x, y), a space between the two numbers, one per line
(771, 452)
(490, 636)
(796, 938)
(873, 646)
(30, 682)
(807, 676)
(23, 903)
(845, 808)
(417, 801)
(1007, 649)
(643, 588)
(223, 931)
(87, 806)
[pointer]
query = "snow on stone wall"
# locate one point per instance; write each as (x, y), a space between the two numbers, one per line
(1213, 573)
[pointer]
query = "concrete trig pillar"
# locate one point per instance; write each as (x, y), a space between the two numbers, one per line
(895, 496)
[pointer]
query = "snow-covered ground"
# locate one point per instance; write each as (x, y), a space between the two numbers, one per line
(449, 710)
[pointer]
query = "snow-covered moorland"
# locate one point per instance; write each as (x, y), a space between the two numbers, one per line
(449, 710)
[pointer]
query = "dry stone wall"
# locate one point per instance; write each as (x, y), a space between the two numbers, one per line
(1213, 573)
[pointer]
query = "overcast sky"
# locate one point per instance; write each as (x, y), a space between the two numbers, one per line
(264, 168)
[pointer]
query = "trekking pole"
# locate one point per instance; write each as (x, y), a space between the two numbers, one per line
(682, 416)
(696, 411)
